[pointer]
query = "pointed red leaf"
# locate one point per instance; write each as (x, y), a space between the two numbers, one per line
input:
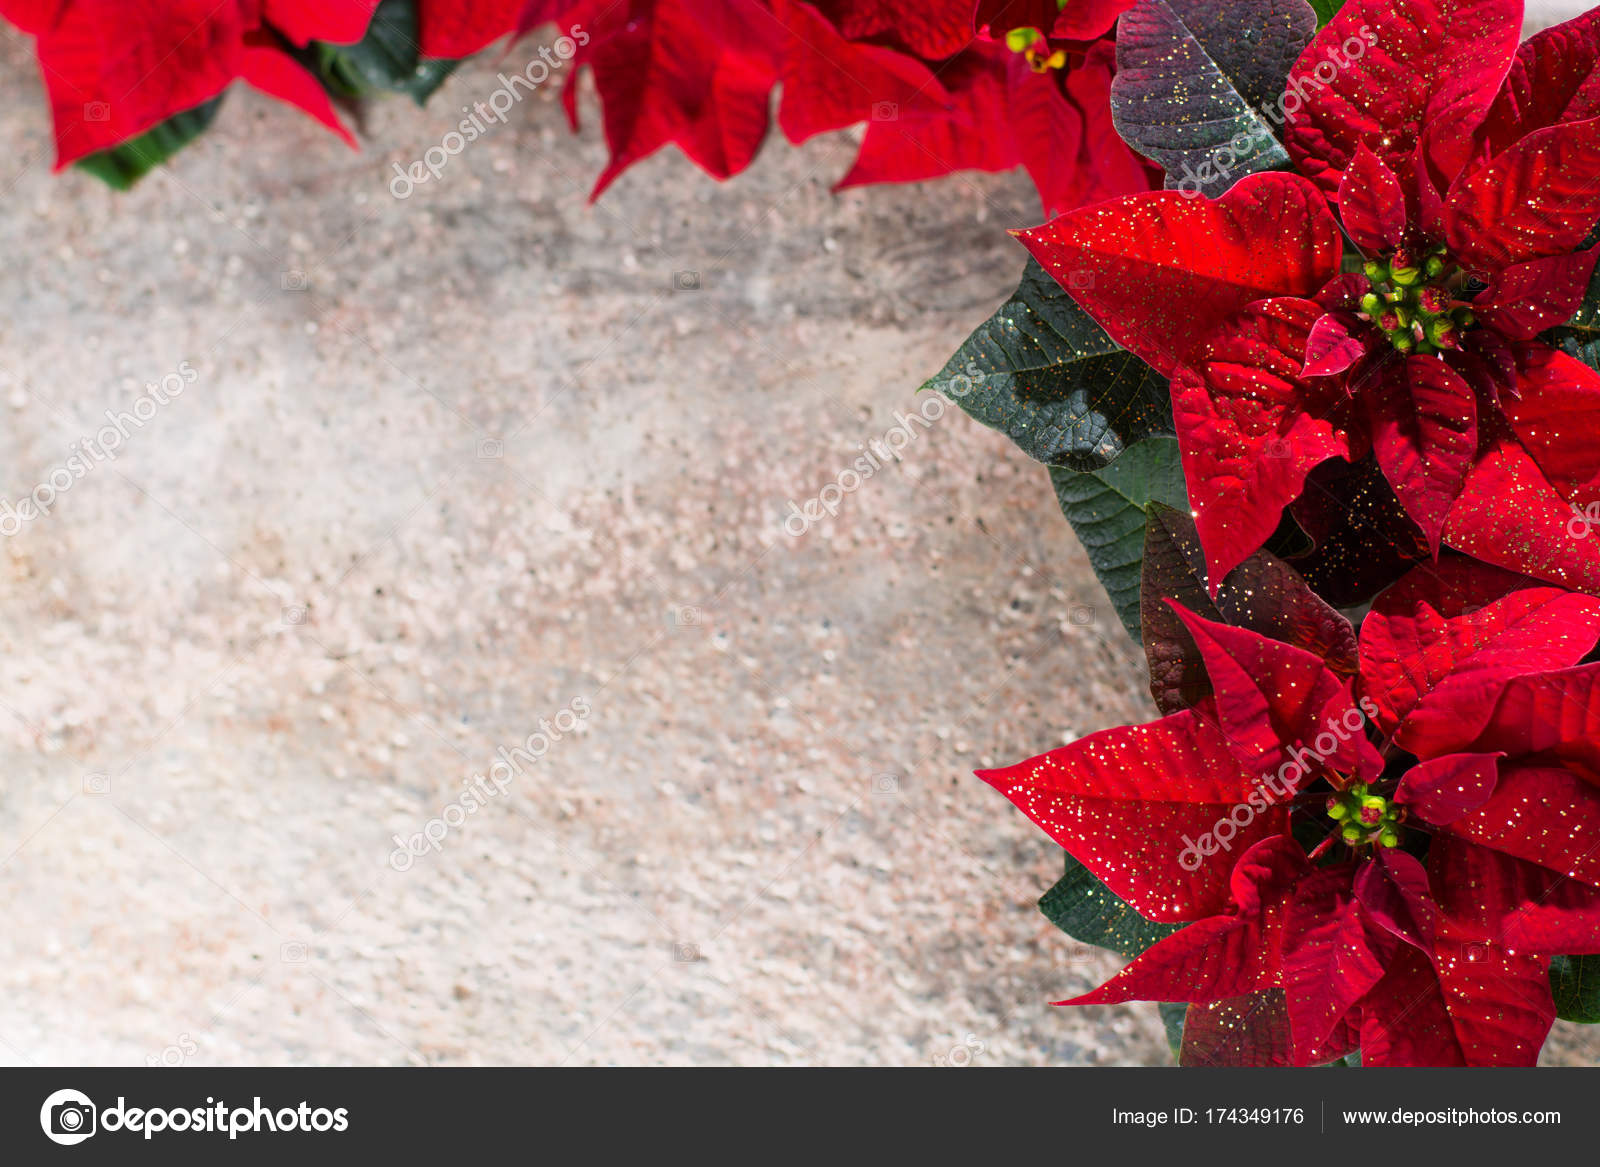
(1371, 203)
(1541, 814)
(1392, 889)
(450, 29)
(830, 82)
(1272, 696)
(1336, 341)
(1380, 70)
(1332, 954)
(710, 102)
(279, 75)
(1161, 272)
(1553, 714)
(1442, 789)
(339, 22)
(1424, 425)
(919, 143)
(1510, 515)
(1555, 412)
(1224, 955)
(1552, 80)
(1538, 198)
(1523, 906)
(169, 57)
(1250, 427)
(933, 30)
(1130, 803)
(1436, 651)
(1524, 299)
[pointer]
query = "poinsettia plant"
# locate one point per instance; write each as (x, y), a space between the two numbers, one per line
(941, 86)
(1322, 411)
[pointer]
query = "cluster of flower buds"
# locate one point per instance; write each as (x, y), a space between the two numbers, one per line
(1414, 300)
(1030, 44)
(1367, 817)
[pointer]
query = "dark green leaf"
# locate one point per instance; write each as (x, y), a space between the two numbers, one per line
(1085, 909)
(1193, 79)
(1107, 510)
(1575, 984)
(386, 59)
(1042, 372)
(122, 166)
(1173, 1016)
(1326, 10)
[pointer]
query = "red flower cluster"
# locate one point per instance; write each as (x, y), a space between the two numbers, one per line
(1382, 853)
(942, 86)
(1468, 173)
(1218, 815)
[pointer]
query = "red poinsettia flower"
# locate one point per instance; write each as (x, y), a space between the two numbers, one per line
(1489, 769)
(115, 68)
(1469, 192)
(934, 96)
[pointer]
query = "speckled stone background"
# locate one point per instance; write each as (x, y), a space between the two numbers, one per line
(449, 465)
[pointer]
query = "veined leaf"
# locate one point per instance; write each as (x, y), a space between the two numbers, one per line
(1085, 909)
(1575, 983)
(1193, 78)
(1042, 372)
(1108, 510)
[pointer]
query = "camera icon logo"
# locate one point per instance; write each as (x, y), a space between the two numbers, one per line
(490, 448)
(293, 952)
(294, 614)
(1081, 615)
(68, 1117)
(1079, 279)
(686, 953)
(294, 281)
(685, 281)
(885, 111)
(97, 783)
(97, 111)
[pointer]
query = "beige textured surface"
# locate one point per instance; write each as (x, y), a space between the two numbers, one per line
(763, 845)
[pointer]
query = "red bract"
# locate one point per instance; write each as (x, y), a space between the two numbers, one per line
(115, 68)
(934, 96)
(1489, 769)
(1469, 193)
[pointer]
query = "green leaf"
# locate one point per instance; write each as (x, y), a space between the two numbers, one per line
(1107, 510)
(123, 165)
(1085, 909)
(1326, 10)
(1575, 984)
(1192, 80)
(1042, 372)
(1173, 1016)
(386, 59)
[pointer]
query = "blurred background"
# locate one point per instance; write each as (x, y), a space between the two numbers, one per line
(491, 469)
